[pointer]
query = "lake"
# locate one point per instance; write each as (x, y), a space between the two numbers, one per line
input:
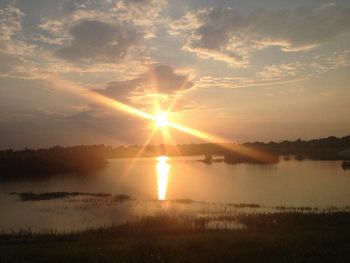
(182, 184)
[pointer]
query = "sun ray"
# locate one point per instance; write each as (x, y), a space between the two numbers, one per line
(170, 139)
(162, 120)
(139, 153)
(103, 100)
(114, 104)
(175, 99)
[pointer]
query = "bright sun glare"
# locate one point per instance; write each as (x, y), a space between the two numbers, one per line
(161, 120)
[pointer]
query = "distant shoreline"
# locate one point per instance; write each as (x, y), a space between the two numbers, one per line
(84, 159)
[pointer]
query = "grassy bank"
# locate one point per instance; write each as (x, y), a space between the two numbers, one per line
(282, 237)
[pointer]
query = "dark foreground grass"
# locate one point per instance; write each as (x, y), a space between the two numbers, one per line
(285, 237)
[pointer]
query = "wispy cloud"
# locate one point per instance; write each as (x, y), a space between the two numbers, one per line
(280, 73)
(226, 35)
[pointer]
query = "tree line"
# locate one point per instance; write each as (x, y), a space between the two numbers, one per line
(89, 158)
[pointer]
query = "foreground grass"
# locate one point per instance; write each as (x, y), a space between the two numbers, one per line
(285, 237)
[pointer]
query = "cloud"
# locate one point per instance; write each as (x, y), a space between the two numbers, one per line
(280, 73)
(158, 79)
(83, 37)
(143, 13)
(10, 24)
(9, 63)
(335, 61)
(11, 41)
(140, 9)
(12, 47)
(164, 80)
(56, 31)
(113, 37)
(226, 35)
(120, 90)
(96, 41)
(11, 35)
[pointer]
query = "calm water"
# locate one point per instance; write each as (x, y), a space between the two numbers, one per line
(288, 183)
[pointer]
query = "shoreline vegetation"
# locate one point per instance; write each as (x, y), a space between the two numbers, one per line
(30, 196)
(47, 196)
(83, 159)
(278, 237)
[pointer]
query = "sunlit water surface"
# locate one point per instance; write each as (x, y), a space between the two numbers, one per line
(165, 185)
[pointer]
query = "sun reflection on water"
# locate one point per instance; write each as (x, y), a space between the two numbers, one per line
(163, 169)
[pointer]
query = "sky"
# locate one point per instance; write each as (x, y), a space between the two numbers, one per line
(260, 70)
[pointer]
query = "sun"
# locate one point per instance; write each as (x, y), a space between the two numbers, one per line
(161, 120)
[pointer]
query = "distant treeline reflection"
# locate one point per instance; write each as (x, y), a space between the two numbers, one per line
(82, 159)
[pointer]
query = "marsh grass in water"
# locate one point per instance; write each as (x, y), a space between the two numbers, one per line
(30, 196)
